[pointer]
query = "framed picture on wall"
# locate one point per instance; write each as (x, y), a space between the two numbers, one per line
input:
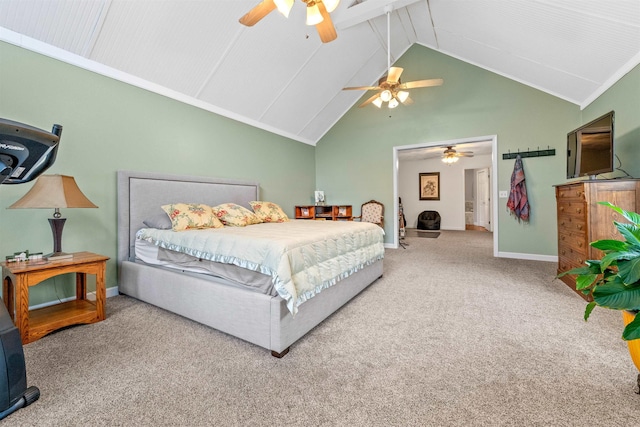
(429, 186)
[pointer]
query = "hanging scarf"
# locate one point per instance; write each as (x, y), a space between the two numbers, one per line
(518, 203)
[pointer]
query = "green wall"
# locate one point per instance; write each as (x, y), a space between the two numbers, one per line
(624, 99)
(354, 161)
(108, 126)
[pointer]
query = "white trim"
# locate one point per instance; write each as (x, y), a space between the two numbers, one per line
(93, 66)
(494, 182)
(501, 73)
(530, 257)
(620, 73)
(111, 292)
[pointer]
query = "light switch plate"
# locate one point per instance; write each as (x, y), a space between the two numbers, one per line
(503, 194)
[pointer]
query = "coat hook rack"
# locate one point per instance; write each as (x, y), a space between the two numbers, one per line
(528, 153)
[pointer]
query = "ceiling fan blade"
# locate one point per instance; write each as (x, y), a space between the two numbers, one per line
(362, 88)
(257, 13)
(422, 83)
(465, 154)
(325, 28)
(394, 74)
(368, 101)
(407, 101)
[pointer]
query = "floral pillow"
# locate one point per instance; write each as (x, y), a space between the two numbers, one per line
(189, 216)
(235, 215)
(269, 212)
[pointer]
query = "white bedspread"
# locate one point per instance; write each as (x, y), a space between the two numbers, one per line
(303, 257)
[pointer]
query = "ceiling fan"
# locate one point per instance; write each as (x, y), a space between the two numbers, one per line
(450, 155)
(317, 14)
(392, 90)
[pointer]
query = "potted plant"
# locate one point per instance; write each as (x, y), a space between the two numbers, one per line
(614, 280)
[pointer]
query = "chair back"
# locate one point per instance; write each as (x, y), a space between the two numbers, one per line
(372, 211)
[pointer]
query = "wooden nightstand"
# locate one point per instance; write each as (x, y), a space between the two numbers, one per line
(17, 277)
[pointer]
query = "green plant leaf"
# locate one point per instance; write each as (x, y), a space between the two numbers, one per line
(609, 245)
(612, 258)
(588, 310)
(630, 232)
(616, 295)
(629, 271)
(581, 270)
(632, 330)
(630, 216)
(585, 280)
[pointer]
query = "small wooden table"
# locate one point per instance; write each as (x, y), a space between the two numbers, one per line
(17, 277)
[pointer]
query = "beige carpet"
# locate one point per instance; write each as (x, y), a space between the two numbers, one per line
(449, 336)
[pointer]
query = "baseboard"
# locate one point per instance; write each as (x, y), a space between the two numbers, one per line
(530, 257)
(111, 292)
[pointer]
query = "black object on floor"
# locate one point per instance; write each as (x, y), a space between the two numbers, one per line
(429, 220)
(14, 393)
(430, 234)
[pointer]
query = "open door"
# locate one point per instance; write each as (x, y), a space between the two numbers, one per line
(483, 202)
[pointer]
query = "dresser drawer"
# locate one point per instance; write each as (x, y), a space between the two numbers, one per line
(572, 251)
(569, 262)
(570, 192)
(572, 224)
(572, 208)
(576, 241)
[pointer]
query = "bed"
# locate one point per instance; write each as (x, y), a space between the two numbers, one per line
(261, 318)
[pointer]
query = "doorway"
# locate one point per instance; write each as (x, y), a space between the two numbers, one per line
(477, 200)
(490, 192)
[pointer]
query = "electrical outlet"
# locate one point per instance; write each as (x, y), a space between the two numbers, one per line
(503, 194)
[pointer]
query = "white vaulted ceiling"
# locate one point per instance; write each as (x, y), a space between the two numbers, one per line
(278, 76)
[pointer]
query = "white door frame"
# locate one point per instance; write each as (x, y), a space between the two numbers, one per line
(494, 181)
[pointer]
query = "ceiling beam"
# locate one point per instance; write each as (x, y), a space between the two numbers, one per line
(365, 11)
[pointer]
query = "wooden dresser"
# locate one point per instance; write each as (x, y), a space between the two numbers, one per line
(581, 220)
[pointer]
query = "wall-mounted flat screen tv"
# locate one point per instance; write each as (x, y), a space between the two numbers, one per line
(590, 148)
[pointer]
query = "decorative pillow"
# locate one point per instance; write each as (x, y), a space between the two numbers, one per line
(235, 215)
(269, 212)
(188, 216)
(160, 221)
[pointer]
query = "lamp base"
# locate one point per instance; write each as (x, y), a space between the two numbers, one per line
(58, 255)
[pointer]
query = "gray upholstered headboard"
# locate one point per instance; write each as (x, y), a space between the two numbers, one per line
(140, 195)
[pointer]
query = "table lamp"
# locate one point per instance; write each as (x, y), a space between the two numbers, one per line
(54, 192)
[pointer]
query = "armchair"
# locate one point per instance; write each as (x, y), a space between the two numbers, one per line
(429, 220)
(372, 211)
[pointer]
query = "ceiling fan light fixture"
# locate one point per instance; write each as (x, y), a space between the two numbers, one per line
(449, 160)
(386, 95)
(330, 5)
(402, 95)
(393, 103)
(284, 6)
(377, 102)
(314, 16)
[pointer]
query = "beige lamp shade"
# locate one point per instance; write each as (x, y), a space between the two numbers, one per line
(53, 191)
